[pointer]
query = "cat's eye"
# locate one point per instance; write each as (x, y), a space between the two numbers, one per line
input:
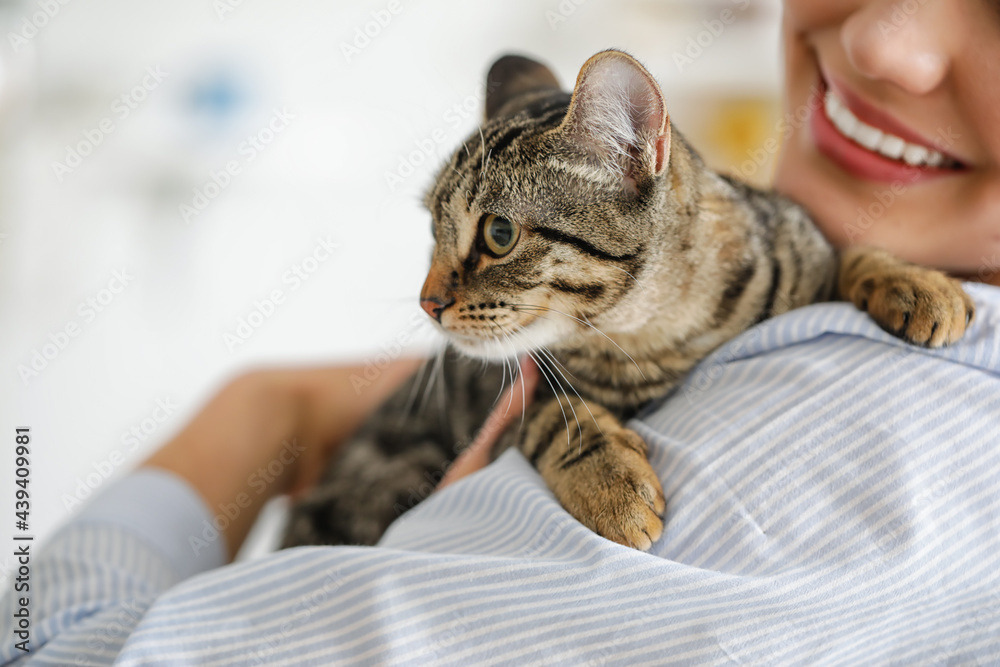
(500, 235)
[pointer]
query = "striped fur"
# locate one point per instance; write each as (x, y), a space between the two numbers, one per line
(634, 261)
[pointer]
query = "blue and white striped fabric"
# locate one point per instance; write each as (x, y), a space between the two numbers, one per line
(833, 499)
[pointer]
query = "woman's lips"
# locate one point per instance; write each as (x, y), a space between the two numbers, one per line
(875, 117)
(868, 161)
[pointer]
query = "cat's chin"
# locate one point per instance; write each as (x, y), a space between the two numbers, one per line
(543, 334)
(482, 349)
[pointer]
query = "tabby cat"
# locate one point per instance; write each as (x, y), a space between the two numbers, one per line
(584, 229)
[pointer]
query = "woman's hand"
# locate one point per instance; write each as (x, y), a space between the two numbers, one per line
(271, 432)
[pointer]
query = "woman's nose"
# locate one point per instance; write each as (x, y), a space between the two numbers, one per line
(905, 43)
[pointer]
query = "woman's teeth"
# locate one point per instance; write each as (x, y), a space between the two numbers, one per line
(877, 141)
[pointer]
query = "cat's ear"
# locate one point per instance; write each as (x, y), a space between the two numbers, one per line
(618, 116)
(511, 76)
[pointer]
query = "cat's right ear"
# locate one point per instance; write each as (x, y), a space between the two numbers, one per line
(618, 117)
(512, 76)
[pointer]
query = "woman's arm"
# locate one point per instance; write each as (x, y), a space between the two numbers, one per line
(187, 509)
(272, 432)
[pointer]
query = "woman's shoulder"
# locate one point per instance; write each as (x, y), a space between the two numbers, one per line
(980, 347)
(778, 381)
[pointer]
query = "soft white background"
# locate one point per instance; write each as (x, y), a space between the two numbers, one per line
(324, 176)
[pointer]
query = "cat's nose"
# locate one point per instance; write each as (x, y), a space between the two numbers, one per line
(434, 306)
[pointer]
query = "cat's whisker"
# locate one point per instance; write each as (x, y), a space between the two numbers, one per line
(512, 361)
(426, 382)
(556, 364)
(507, 366)
(524, 394)
(520, 375)
(442, 389)
(431, 379)
(411, 399)
(524, 398)
(548, 353)
(503, 379)
(515, 306)
(542, 368)
(485, 166)
(641, 286)
(542, 363)
(561, 365)
(579, 426)
(436, 370)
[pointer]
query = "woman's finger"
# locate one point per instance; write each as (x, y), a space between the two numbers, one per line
(518, 396)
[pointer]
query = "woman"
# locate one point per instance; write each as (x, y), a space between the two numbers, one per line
(832, 491)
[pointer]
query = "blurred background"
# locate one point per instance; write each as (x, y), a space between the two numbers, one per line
(193, 188)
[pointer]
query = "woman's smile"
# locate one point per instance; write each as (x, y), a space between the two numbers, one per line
(871, 144)
(902, 147)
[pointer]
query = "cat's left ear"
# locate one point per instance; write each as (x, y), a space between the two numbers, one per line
(618, 116)
(511, 77)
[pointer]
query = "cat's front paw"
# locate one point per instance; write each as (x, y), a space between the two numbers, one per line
(613, 491)
(921, 306)
(925, 308)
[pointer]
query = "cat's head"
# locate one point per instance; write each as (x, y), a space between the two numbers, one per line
(543, 219)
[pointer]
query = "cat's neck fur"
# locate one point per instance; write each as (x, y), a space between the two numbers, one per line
(649, 341)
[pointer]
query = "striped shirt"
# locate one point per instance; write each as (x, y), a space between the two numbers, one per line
(833, 499)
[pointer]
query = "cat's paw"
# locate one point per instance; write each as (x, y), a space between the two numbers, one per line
(921, 306)
(614, 491)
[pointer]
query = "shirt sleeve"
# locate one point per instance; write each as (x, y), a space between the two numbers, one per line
(93, 581)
